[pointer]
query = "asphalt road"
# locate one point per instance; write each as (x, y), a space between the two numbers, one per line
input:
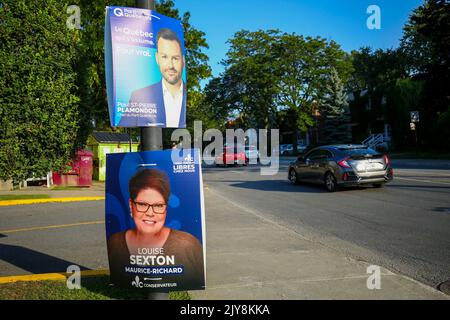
(404, 227)
(46, 238)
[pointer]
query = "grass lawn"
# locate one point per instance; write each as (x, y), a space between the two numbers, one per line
(61, 188)
(92, 288)
(23, 196)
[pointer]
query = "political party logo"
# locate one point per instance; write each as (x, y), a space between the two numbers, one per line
(185, 166)
(118, 12)
(137, 283)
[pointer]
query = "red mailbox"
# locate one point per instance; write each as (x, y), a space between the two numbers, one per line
(81, 171)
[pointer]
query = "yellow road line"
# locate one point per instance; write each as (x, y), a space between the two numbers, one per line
(5, 203)
(62, 276)
(52, 227)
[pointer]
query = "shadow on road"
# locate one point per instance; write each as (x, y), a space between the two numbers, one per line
(33, 261)
(442, 209)
(421, 164)
(285, 186)
(276, 185)
(243, 169)
(439, 189)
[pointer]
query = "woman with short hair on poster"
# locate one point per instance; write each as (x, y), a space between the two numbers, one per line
(149, 191)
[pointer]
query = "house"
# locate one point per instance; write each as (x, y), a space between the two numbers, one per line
(103, 143)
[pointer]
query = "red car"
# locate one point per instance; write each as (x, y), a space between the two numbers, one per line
(232, 156)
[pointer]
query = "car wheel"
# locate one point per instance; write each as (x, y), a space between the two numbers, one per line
(330, 182)
(378, 185)
(293, 177)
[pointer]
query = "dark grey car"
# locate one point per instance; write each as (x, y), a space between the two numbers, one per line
(342, 165)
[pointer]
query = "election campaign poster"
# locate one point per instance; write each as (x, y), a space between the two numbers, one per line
(155, 222)
(145, 69)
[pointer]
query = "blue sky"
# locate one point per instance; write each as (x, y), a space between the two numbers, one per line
(341, 20)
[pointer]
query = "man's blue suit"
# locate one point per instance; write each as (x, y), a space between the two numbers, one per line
(153, 95)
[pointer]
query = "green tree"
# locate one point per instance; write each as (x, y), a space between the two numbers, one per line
(38, 101)
(251, 77)
(375, 75)
(271, 76)
(219, 103)
(426, 42)
(443, 127)
(401, 98)
(306, 66)
(335, 112)
(373, 68)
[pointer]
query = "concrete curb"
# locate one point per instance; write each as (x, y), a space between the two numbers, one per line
(5, 203)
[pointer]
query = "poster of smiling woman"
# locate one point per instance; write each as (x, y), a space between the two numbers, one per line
(145, 69)
(155, 221)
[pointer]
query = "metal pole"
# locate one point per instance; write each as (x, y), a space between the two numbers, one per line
(151, 139)
(129, 137)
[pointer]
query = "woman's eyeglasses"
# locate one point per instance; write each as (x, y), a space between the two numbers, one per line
(158, 208)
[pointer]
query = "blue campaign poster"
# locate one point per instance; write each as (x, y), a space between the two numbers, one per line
(145, 69)
(155, 223)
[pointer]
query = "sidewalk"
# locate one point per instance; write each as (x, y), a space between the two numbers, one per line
(249, 258)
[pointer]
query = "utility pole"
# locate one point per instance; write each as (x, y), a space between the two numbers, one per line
(151, 139)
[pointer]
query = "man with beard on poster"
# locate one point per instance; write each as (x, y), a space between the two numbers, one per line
(168, 95)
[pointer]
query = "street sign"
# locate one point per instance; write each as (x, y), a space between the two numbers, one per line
(145, 69)
(415, 116)
(155, 222)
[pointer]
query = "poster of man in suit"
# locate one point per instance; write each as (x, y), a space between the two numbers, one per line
(145, 70)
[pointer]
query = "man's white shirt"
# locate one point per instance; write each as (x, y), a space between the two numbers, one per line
(173, 106)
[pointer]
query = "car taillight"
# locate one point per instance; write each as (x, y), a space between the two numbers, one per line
(344, 164)
(387, 160)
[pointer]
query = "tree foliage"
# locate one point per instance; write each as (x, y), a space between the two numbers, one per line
(307, 66)
(251, 76)
(38, 100)
(270, 72)
(373, 82)
(372, 69)
(426, 42)
(335, 112)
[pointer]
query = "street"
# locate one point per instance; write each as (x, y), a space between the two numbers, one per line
(403, 227)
